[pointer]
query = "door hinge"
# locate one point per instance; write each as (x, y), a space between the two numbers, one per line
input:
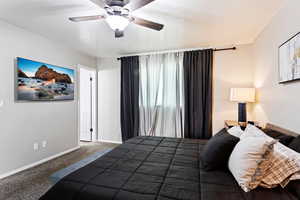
(91, 79)
(91, 129)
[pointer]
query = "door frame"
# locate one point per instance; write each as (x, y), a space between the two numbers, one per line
(95, 135)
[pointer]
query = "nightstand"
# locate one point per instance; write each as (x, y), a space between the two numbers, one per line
(231, 123)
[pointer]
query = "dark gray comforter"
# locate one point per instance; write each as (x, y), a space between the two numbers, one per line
(155, 168)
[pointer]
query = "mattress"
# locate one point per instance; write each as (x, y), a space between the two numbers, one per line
(155, 168)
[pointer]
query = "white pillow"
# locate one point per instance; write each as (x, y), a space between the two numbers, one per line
(235, 131)
(249, 160)
(296, 176)
(253, 131)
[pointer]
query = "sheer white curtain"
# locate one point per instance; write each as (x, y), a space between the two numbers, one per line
(161, 95)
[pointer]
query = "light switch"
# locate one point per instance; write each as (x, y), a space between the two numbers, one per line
(1, 103)
(44, 144)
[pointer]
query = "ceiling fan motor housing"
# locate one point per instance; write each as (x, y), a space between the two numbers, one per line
(117, 9)
(120, 3)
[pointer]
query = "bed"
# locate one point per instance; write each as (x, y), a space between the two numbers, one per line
(155, 168)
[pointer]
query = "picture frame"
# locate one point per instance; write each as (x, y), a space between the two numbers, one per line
(289, 60)
(39, 81)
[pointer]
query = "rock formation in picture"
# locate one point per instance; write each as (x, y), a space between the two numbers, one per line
(21, 74)
(48, 74)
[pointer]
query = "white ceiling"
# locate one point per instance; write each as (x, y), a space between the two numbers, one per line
(188, 24)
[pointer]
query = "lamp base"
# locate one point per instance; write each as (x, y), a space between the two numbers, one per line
(242, 114)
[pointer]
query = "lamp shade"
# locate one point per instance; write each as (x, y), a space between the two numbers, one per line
(242, 95)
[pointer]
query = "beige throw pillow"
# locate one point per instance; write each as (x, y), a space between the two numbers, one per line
(249, 160)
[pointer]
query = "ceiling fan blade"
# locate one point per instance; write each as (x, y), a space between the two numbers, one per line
(148, 24)
(136, 4)
(100, 3)
(86, 18)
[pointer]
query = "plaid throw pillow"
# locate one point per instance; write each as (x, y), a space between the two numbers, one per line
(284, 164)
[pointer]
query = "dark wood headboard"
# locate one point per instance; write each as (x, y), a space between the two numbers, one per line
(281, 130)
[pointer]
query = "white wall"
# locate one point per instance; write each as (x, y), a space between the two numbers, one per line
(109, 83)
(22, 124)
(277, 103)
(231, 69)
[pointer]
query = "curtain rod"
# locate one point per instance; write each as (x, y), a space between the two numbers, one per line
(223, 49)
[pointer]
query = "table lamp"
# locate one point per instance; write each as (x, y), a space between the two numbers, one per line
(242, 96)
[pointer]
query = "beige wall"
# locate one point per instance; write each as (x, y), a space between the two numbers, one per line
(231, 69)
(277, 103)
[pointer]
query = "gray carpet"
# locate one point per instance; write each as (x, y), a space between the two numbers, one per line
(33, 183)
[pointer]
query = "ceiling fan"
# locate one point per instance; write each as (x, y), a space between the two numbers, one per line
(118, 15)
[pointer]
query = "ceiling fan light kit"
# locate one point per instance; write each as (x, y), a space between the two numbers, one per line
(117, 22)
(118, 15)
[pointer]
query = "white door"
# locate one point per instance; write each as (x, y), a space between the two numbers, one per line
(87, 104)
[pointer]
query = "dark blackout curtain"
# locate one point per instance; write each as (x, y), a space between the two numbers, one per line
(197, 70)
(129, 97)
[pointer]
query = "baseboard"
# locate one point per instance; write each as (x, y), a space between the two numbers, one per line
(37, 163)
(110, 141)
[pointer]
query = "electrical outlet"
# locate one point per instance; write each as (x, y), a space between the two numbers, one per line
(44, 144)
(1, 103)
(35, 146)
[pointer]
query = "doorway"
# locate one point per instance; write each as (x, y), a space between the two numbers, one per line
(87, 104)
